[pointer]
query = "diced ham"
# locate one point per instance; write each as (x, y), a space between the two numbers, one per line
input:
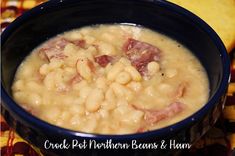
(42, 54)
(154, 116)
(58, 42)
(52, 53)
(80, 43)
(54, 48)
(103, 60)
(140, 54)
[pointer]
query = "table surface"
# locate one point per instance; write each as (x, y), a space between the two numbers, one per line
(219, 141)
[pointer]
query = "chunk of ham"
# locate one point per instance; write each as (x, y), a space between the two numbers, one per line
(48, 54)
(103, 60)
(80, 43)
(140, 54)
(54, 48)
(153, 116)
(58, 42)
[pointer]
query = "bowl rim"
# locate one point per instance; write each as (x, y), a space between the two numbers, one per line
(36, 123)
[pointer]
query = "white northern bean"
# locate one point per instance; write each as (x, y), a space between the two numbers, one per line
(89, 39)
(123, 77)
(55, 64)
(121, 110)
(135, 86)
(104, 113)
(27, 71)
(108, 37)
(92, 50)
(18, 85)
(80, 85)
(110, 96)
(150, 91)
(153, 67)
(101, 83)
(49, 81)
(114, 71)
(134, 73)
(70, 50)
(74, 35)
(94, 100)
(84, 69)
(133, 117)
(108, 105)
(78, 109)
(44, 69)
(122, 91)
(85, 91)
(20, 96)
(125, 61)
(34, 86)
(106, 49)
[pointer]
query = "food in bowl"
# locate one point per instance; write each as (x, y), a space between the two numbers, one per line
(111, 79)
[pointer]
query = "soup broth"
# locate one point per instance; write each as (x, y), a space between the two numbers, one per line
(111, 79)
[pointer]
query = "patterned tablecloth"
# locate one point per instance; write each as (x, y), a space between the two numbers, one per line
(219, 141)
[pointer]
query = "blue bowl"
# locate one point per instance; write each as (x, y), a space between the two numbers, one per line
(56, 16)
